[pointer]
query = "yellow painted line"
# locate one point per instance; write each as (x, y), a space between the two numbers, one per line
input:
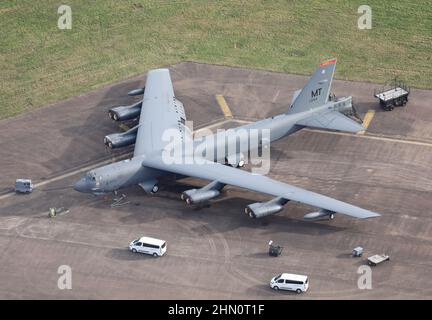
(224, 106)
(123, 127)
(367, 120)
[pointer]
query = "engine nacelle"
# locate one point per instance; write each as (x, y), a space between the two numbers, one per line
(194, 196)
(123, 113)
(259, 209)
(118, 140)
(323, 214)
(136, 92)
(236, 160)
(262, 209)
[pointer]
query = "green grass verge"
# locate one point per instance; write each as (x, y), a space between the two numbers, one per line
(112, 40)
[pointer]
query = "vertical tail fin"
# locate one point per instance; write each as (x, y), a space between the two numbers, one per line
(316, 91)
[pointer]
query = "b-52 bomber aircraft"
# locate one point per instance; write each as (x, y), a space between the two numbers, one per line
(160, 111)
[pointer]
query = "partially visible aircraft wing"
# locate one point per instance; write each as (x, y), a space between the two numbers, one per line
(160, 112)
(332, 120)
(243, 179)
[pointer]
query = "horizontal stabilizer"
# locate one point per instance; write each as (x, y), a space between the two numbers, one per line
(331, 120)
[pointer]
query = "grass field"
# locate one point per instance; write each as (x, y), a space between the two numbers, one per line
(112, 40)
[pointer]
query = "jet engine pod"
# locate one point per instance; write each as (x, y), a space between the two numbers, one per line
(122, 113)
(194, 196)
(323, 214)
(235, 160)
(187, 193)
(118, 140)
(149, 186)
(262, 209)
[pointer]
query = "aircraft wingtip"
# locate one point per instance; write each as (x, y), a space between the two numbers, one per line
(373, 215)
(158, 71)
(325, 63)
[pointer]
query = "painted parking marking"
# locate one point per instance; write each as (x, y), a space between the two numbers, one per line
(367, 120)
(224, 106)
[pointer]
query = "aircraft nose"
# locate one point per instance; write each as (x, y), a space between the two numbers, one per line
(81, 186)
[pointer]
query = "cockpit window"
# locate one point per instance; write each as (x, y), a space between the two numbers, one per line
(90, 176)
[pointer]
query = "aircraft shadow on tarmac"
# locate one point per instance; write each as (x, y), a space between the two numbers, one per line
(224, 215)
(126, 255)
(259, 255)
(220, 216)
(264, 289)
(345, 256)
(87, 135)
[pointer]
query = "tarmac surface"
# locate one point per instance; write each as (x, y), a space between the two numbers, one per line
(217, 252)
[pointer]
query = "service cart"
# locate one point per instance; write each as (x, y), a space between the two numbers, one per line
(392, 95)
(377, 259)
(274, 250)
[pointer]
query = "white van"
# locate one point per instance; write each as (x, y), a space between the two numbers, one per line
(148, 245)
(292, 282)
(23, 186)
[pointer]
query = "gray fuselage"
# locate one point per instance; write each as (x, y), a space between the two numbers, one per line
(130, 172)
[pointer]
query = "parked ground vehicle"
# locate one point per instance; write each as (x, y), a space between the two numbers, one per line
(23, 186)
(357, 252)
(394, 94)
(274, 250)
(292, 282)
(377, 259)
(152, 246)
